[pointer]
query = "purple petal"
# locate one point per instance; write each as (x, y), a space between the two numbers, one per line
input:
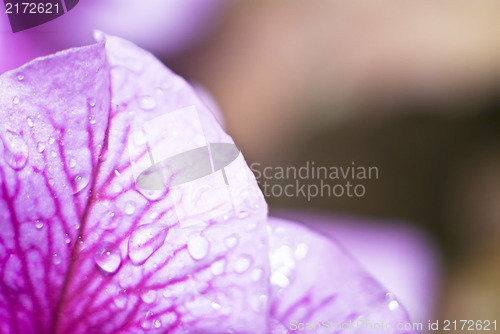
(44, 117)
(92, 243)
(83, 248)
(315, 283)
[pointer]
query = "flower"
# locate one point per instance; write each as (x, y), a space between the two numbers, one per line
(112, 223)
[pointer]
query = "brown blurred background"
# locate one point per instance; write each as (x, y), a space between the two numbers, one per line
(409, 87)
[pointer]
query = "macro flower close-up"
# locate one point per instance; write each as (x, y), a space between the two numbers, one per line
(94, 240)
(215, 166)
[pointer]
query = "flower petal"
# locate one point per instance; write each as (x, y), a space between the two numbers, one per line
(315, 283)
(123, 253)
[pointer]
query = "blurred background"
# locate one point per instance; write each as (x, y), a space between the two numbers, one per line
(409, 87)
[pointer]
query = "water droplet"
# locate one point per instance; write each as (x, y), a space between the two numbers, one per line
(139, 137)
(231, 241)
(149, 297)
(120, 301)
(157, 323)
(243, 214)
(146, 324)
(144, 241)
(198, 246)
(67, 239)
(15, 150)
(57, 259)
(92, 120)
(279, 279)
(38, 224)
(393, 305)
(15, 100)
(53, 154)
(152, 195)
(81, 181)
(51, 182)
(108, 257)
(217, 267)
(72, 163)
(51, 140)
(129, 208)
(301, 251)
(91, 101)
(215, 306)
(30, 122)
(147, 102)
(242, 264)
(20, 77)
(40, 147)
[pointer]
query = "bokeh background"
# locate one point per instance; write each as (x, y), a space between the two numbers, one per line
(409, 87)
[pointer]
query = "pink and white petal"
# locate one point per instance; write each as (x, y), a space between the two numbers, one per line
(51, 139)
(402, 258)
(177, 259)
(316, 283)
(83, 248)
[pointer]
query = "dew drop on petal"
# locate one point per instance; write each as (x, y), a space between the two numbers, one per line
(15, 100)
(280, 280)
(231, 241)
(120, 302)
(152, 195)
(40, 147)
(67, 239)
(301, 251)
(149, 297)
(81, 181)
(129, 208)
(393, 305)
(217, 267)
(91, 101)
(146, 324)
(157, 323)
(15, 150)
(108, 258)
(51, 140)
(38, 224)
(243, 214)
(198, 246)
(72, 163)
(20, 77)
(139, 137)
(30, 122)
(242, 264)
(147, 102)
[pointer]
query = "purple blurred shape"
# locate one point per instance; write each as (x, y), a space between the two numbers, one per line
(401, 257)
